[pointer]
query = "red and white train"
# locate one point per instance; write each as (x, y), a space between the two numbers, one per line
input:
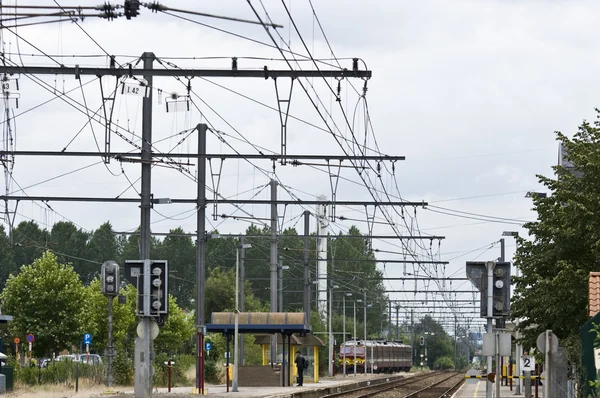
(383, 356)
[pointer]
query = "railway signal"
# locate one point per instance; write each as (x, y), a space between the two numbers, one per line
(110, 278)
(501, 289)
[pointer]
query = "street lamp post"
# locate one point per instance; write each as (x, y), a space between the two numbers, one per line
(280, 269)
(234, 382)
(518, 348)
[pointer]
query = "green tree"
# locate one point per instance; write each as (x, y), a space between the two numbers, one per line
(257, 262)
(129, 247)
(220, 252)
(220, 293)
(180, 251)
(45, 299)
(437, 342)
(102, 245)
(69, 244)
(563, 249)
(30, 242)
(443, 363)
(178, 331)
(354, 269)
(7, 262)
(95, 318)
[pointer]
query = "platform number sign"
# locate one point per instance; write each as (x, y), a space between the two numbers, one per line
(527, 363)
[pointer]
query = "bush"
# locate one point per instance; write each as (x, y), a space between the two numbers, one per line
(211, 372)
(443, 363)
(122, 370)
(178, 372)
(60, 372)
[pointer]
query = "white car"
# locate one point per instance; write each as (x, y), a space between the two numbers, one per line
(90, 359)
(70, 357)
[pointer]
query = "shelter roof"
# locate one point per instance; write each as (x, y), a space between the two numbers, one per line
(259, 322)
(308, 340)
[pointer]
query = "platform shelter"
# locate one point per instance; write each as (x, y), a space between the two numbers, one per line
(283, 324)
(308, 345)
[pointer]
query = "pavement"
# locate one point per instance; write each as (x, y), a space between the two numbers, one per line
(220, 390)
(476, 388)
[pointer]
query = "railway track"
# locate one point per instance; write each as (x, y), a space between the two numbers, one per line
(430, 385)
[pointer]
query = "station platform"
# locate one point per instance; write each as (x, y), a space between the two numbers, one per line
(476, 388)
(324, 386)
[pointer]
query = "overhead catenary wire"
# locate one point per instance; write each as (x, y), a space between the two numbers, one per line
(323, 119)
(373, 187)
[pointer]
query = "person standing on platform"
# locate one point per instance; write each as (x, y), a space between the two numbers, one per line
(300, 366)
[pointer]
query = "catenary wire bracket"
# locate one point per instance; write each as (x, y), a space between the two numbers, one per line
(108, 106)
(370, 222)
(334, 179)
(283, 106)
(215, 178)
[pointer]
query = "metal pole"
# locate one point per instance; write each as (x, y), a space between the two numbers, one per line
(456, 356)
(228, 338)
(412, 328)
(200, 256)
(389, 333)
(518, 354)
(365, 326)
(548, 365)
(273, 265)
(169, 374)
(234, 383)
(109, 371)
(490, 281)
(322, 259)
(354, 302)
(242, 291)
(280, 277)
(498, 366)
(397, 323)
(372, 357)
(143, 383)
(306, 267)
(330, 327)
(344, 333)
(498, 357)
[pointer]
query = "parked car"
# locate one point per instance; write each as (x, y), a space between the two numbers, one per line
(68, 357)
(90, 359)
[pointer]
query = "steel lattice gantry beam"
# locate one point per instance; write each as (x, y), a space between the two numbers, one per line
(264, 73)
(220, 201)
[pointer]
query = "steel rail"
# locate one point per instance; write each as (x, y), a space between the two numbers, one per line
(413, 394)
(388, 383)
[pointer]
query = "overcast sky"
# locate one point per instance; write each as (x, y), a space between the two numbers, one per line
(470, 92)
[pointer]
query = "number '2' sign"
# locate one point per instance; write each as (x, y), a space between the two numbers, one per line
(527, 363)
